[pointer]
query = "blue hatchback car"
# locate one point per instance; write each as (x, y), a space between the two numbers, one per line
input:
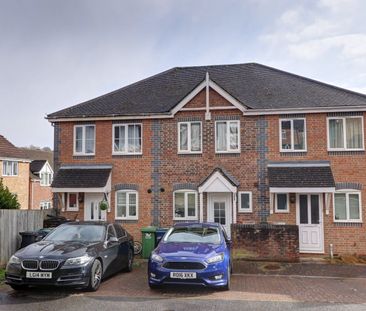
(192, 254)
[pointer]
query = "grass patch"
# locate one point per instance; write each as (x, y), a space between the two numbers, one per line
(2, 275)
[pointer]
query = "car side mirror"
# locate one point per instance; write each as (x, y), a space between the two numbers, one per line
(39, 238)
(229, 242)
(113, 239)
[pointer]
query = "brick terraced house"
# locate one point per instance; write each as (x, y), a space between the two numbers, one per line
(240, 143)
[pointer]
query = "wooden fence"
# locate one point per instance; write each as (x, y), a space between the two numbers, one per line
(11, 223)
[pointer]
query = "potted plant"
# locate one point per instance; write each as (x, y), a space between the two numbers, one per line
(103, 205)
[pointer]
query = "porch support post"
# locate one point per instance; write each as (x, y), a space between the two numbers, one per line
(234, 207)
(61, 199)
(201, 206)
(327, 202)
(271, 201)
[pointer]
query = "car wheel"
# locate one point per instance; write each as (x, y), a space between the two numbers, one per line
(19, 287)
(129, 261)
(96, 273)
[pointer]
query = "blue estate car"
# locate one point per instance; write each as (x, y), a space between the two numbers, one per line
(192, 254)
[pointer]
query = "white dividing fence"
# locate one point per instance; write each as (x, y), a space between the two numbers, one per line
(11, 223)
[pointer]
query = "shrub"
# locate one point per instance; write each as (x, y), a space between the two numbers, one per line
(8, 200)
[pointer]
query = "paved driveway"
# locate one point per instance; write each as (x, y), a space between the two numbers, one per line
(268, 292)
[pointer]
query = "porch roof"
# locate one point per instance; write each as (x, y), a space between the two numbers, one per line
(82, 179)
(300, 176)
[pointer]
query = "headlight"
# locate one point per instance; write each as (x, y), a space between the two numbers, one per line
(78, 261)
(14, 260)
(217, 258)
(157, 258)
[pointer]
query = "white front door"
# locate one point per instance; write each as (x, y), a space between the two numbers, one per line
(310, 222)
(91, 207)
(219, 209)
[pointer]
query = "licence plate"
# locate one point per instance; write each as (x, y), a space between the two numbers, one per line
(183, 275)
(38, 275)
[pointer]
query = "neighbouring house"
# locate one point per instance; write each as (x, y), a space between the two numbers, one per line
(14, 171)
(41, 175)
(241, 143)
(40, 185)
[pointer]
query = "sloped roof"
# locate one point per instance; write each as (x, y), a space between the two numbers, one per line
(304, 174)
(87, 177)
(8, 150)
(38, 154)
(36, 165)
(255, 86)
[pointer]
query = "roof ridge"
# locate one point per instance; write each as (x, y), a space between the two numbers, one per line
(310, 79)
(221, 65)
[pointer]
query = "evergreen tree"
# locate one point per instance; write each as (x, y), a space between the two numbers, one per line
(8, 200)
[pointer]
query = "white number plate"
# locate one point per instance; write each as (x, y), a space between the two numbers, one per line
(183, 275)
(38, 275)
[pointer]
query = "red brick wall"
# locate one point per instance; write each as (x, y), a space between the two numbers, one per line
(346, 167)
(265, 242)
(126, 169)
(38, 193)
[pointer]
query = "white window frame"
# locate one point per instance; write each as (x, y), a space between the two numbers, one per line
(292, 135)
(250, 209)
(83, 153)
(347, 192)
(189, 125)
(125, 125)
(13, 164)
(228, 150)
(287, 210)
(69, 208)
(46, 204)
(186, 217)
(343, 118)
(127, 217)
(48, 179)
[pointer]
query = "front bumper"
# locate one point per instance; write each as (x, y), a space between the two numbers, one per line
(214, 275)
(63, 276)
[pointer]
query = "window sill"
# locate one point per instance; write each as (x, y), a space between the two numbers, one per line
(72, 210)
(126, 218)
(292, 151)
(282, 212)
(189, 153)
(227, 152)
(83, 154)
(10, 175)
(126, 153)
(348, 221)
(245, 212)
(185, 219)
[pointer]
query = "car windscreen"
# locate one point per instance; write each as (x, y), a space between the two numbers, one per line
(209, 235)
(84, 233)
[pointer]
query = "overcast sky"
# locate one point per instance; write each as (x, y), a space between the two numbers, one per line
(54, 54)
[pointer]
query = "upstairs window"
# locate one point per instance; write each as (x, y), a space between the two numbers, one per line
(345, 133)
(227, 136)
(127, 139)
(292, 135)
(185, 205)
(347, 207)
(189, 137)
(10, 168)
(46, 179)
(84, 139)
